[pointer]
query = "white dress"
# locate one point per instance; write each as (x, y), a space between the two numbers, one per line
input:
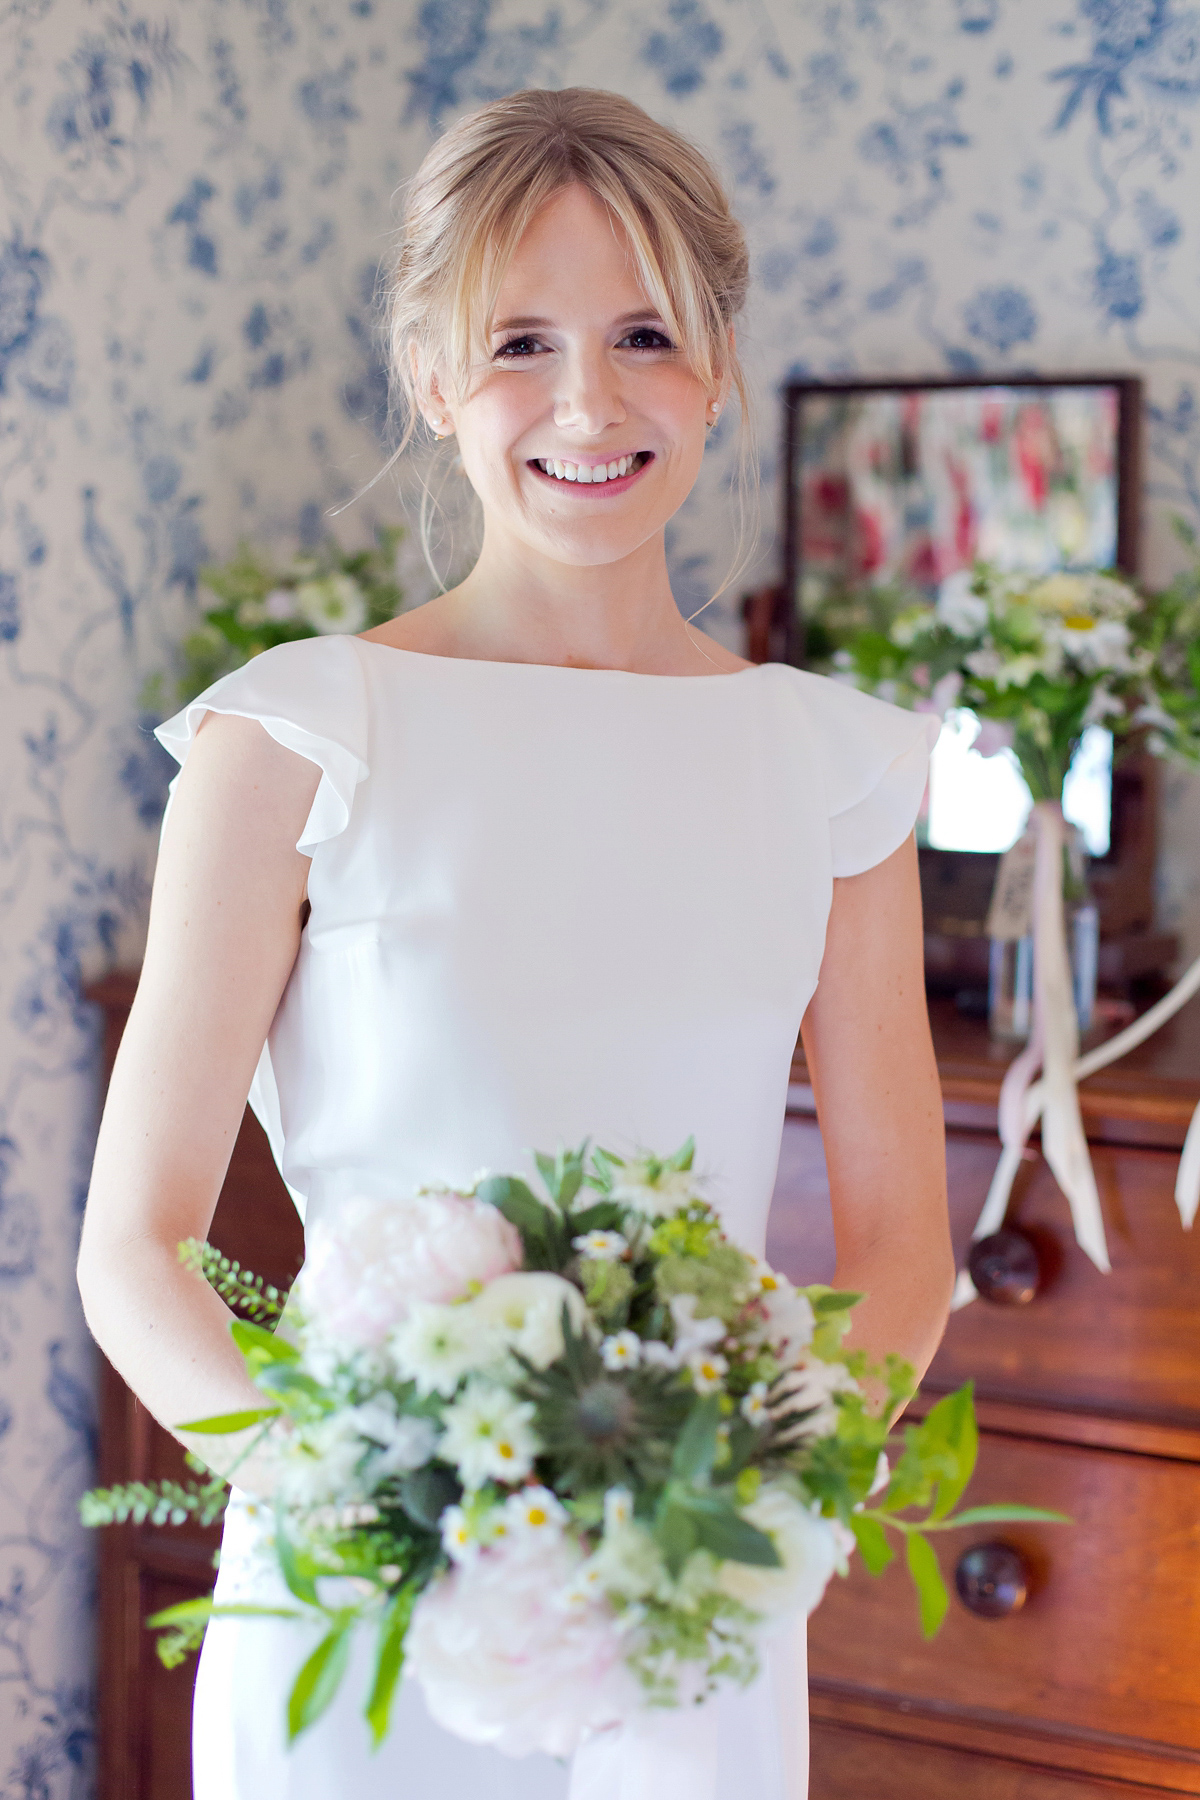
(547, 904)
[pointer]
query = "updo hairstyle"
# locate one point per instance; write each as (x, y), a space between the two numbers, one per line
(481, 185)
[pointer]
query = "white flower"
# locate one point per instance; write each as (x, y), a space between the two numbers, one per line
(503, 1660)
(602, 1246)
(909, 625)
(789, 1315)
(458, 1540)
(280, 604)
(535, 1511)
(883, 1474)
(437, 1345)
(808, 1549)
(1102, 705)
(657, 1355)
(526, 1309)
(488, 1435)
(401, 1442)
(691, 1333)
(754, 1405)
(369, 1260)
(622, 1351)
(652, 1190)
(334, 603)
(810, 1388)
(618, 1508)
(628, 1563)
(961, 611)
(707, 1369)
(319, 1464)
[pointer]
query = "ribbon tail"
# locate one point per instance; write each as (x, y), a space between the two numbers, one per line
(1187, 1181)
(1064, 1142)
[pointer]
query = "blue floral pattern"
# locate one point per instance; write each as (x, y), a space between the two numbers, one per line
(197, 198)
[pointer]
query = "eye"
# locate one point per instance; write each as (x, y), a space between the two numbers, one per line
(516, 348)
(645, 337)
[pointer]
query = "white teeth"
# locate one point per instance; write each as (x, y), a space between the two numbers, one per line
(567, 471)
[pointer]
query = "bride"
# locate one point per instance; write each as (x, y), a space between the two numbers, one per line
(534, 861)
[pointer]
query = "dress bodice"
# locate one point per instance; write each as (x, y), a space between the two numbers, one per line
(550, 903)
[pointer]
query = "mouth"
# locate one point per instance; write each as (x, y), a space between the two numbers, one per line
(613, 476)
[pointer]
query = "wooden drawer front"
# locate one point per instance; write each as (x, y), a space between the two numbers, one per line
(850, 1764)
(1123, 1344)
(1099, 1672)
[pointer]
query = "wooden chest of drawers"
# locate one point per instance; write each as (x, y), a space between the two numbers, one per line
(1089, 1400)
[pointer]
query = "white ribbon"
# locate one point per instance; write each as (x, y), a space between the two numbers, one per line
(1023, 1101)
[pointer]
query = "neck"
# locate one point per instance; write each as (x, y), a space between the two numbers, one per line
(516, 606)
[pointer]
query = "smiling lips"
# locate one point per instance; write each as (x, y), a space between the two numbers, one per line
(592, 475)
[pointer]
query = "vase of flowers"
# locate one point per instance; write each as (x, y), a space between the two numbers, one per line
(1037, 659)
(252, 602)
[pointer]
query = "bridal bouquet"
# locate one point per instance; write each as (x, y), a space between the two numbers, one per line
(568, 1455)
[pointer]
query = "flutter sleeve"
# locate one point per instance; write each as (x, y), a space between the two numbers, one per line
(311, 697)
(876, 761)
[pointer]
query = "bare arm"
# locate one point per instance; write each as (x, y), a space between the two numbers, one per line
(866, 1038)
(224, 930)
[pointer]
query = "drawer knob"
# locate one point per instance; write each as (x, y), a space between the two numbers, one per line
(992, 1580)
(1004, 1268)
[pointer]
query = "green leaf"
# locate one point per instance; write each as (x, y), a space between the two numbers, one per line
(951, 1427)
(723, 1532)
(319, 1679)
(230, 1422)
(677, 1534)
(831, 1300)
(296, 1571)
(389, 1660)
(683, 1158)
(927, 1577)
(995, 1515)
(254, 1343)
(542, 1231)
(696, 1446)
(873, 1544)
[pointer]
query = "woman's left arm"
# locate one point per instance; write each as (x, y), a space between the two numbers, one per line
(879, 1103)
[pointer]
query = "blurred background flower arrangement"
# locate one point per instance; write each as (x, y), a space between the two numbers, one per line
(1036, 658)
(249, 604)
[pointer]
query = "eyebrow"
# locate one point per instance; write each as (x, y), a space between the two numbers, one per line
(530, 324)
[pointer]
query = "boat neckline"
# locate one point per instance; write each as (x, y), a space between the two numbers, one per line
(485, 662)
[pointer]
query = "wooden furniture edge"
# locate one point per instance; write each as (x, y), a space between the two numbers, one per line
(1078, 1750)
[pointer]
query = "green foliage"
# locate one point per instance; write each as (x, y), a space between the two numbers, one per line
(237, 1286)
(389, 1659)
(927, 1578)
(320, 1677)
(224, 1423)
(718, 1276)
(545, 1236)
(255, 604)
(608, 1288)
(156, 1503)
(183, 1626)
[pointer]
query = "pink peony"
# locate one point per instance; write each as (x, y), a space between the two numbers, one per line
(504, 1658)
(370, 1260)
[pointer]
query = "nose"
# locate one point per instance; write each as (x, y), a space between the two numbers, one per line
(588, 399)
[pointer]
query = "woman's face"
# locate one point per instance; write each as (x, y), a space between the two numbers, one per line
(584, 430)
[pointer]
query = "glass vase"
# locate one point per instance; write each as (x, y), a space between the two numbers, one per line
(1010, 964)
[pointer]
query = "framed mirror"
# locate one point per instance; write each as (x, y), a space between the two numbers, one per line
(891, 487)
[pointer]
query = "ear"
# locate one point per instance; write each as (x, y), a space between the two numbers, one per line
(428, 397)
(726, 382)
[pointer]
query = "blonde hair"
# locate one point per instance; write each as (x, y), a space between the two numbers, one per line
(478, 190)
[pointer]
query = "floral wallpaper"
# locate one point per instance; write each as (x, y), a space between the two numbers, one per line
(195, 198)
